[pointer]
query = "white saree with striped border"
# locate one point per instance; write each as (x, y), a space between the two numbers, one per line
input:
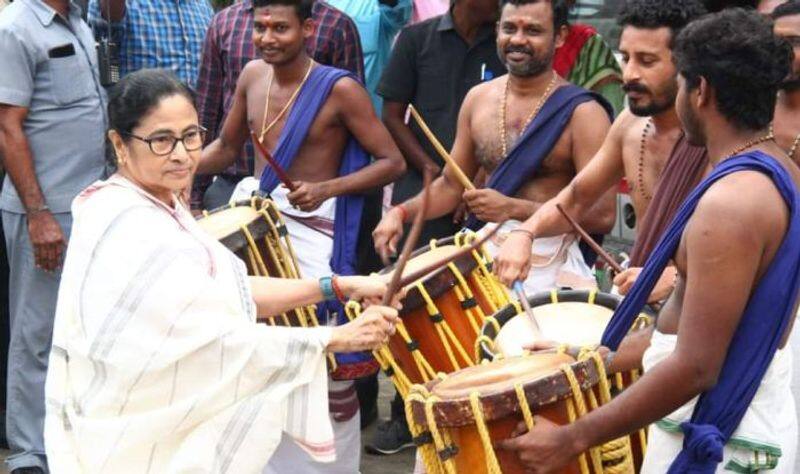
(157, 364)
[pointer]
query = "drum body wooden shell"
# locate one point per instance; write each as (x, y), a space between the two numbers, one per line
(442, 314)
(254, 230)
(574, 317)
(471, 409)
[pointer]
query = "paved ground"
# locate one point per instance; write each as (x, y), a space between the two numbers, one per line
(401, 463)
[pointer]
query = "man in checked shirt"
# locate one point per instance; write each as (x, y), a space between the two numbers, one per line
(228, 47)
(154, 33)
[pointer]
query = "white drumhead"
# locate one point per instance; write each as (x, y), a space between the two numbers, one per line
(223, 223)
(573, 323)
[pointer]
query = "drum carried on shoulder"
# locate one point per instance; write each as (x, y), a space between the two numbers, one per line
(442, 314)
(254, 230)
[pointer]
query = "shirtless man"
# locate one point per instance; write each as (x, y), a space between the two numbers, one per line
(786, 124)
(736, 245)
(319, 124)
(279, 33)
(643, 139)
(526, 165)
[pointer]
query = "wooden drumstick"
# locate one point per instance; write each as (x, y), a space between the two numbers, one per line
(519, 289)
(411, 242)
(282, 176)
(412, 277)
(462, 178)
(590, 241)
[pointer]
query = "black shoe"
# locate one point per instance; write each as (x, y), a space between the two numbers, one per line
(390, 437)
(28, 470)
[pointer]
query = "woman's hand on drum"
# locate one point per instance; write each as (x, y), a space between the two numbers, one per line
(513, 261)
(368, 290)
(664, 286)
(309, 196)
(546, 448)
(388, 233)
(367, 332)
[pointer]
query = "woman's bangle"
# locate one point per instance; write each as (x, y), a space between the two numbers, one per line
(403, 212)
(326, 285)
(524, 231)
(337, 290)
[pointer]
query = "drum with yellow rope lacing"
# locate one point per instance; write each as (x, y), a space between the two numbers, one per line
(573, 317)
(442, 314)
(254, 230)
(457, 419)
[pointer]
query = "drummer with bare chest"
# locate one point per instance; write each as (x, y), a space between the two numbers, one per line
(717, 384)
(320, 155)
(318, 125)
(531, 132)
(555, 171)
(264, 102)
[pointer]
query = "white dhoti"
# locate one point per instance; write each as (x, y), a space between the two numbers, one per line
(766, 439)
(557, 261)
(313, 249)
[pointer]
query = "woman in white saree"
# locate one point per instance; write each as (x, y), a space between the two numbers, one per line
(157, 364)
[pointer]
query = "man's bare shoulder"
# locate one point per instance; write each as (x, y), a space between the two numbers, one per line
(348, 96)
(626, 124)
(627, 119)
(253, 70)
(590, 113)
(480, 95)
(347, 87)
(744, 204)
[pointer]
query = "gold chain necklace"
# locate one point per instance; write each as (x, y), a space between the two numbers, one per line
(531, 116)
(266, 128)
(795, 143)
(756, 141)
(640, 166)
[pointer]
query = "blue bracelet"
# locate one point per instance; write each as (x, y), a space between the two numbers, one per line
(326, 285)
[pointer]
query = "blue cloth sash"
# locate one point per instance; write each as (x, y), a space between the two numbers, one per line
(537, 141)
(348, 207)
(757, 338)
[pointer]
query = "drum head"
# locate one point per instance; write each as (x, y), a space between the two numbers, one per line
(437, 282)
(573, 323)
(499, 376)
(540, 376)
(225, 222)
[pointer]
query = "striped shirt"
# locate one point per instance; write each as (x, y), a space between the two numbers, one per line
(158, 34)
(229, 47)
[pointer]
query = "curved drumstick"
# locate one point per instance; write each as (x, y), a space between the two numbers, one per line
(282, 176)
(462, 178)
(586, 238)
(412, 277)
(410, 243)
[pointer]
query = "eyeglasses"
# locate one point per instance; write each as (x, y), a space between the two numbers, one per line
(163, 145)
